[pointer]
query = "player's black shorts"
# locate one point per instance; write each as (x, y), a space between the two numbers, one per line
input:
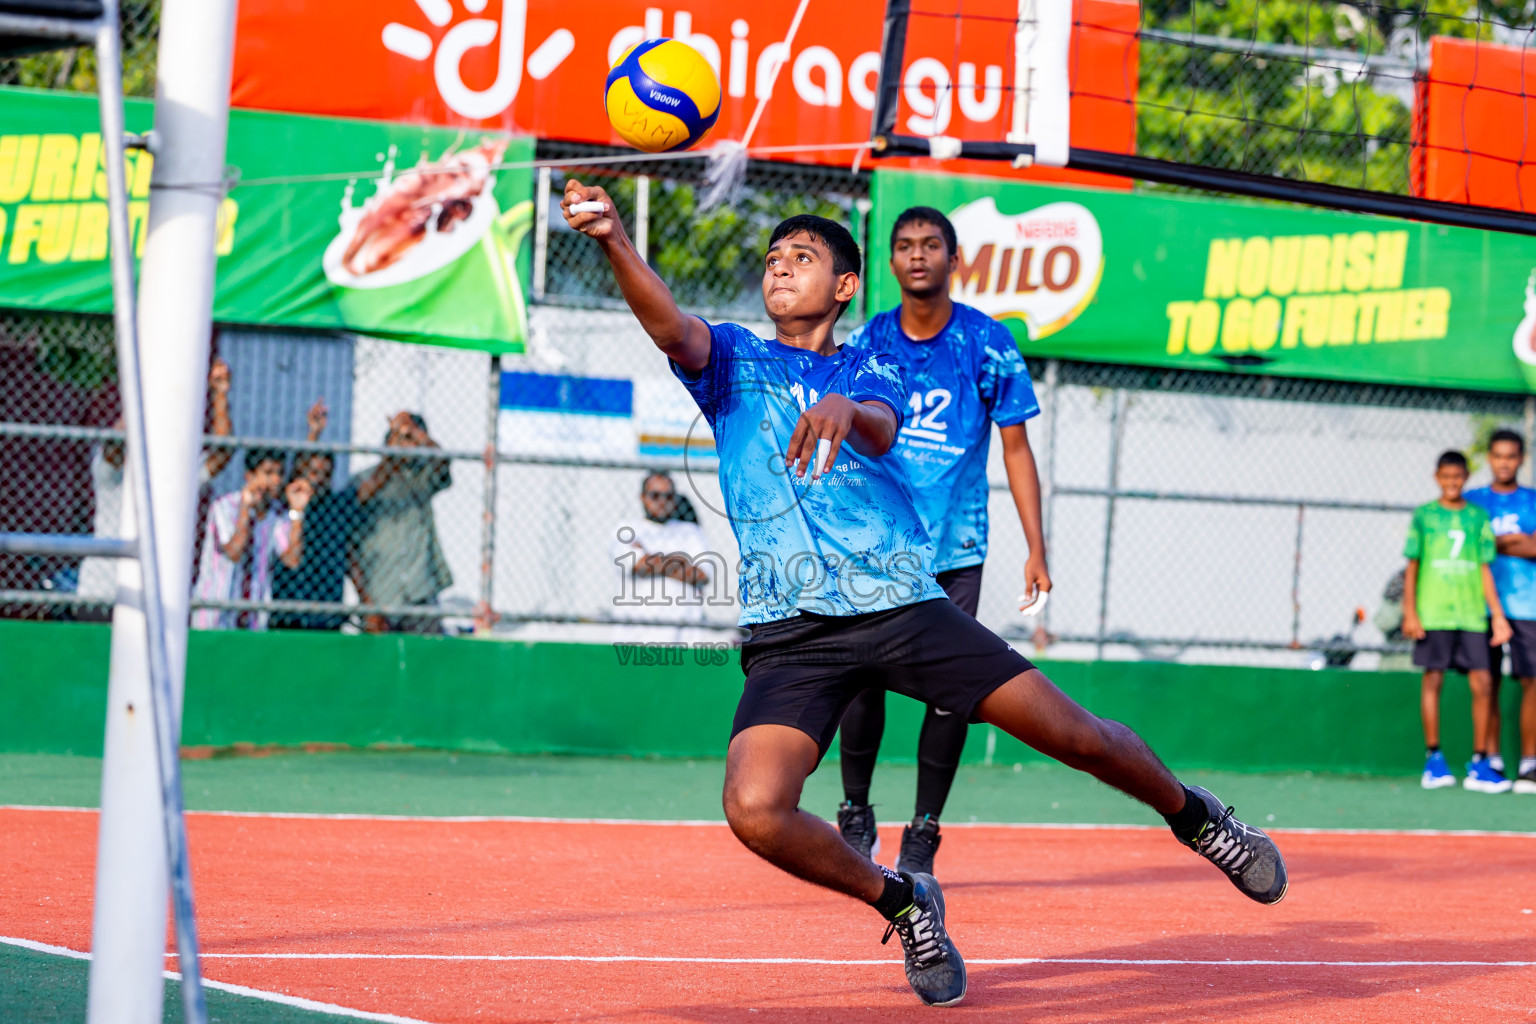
(803, 672)
(1522, 648)
(1459, 650)
(963, 587)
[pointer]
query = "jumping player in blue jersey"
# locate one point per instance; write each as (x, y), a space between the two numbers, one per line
(964, 373)
(838, 593)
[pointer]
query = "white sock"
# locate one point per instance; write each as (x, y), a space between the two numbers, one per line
(1527, 765)
(1496, 762)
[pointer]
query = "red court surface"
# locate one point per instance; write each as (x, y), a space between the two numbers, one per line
(498, 920)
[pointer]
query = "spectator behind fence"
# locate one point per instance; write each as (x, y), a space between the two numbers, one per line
(98, 576)
(248, 532)
(1512, 512)
(664, 567)
(1448, 592)
(1389, 619)
(329, 521)
(397, 559)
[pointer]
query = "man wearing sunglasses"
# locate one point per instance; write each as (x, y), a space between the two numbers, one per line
(665, 571)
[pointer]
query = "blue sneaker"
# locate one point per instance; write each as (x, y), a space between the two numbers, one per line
(1483, 777)
(1437, 774)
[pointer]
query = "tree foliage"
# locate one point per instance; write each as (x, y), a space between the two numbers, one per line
(75, 69)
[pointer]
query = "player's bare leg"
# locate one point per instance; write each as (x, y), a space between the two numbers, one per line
(765, 770)
(1484, 719)
(1429, 705)
(1030, 708)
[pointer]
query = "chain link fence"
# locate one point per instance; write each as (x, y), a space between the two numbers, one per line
(1223, 517)
(75, 69)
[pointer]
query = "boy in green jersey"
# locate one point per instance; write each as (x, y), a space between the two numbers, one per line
(1447, 597)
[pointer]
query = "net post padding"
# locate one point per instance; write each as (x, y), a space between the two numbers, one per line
(1042, 90)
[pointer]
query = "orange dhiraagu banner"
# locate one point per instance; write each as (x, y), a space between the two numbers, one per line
(538, 66)
(1477, 134)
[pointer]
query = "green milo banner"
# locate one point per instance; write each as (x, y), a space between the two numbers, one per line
(1208, 284)
(393, 230)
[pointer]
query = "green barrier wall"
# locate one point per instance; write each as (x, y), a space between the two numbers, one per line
(296, 688)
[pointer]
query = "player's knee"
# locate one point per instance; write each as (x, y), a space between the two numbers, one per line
(755, 815)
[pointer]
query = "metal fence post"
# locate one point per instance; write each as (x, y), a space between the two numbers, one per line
(483, 615)
(541, 234)
(1116, 427)
(1530, 431)
(1301, 520)
(1048, 512)
(643, 216)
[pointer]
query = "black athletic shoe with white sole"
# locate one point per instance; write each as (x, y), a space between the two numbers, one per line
(1245, 854)
(919, 842)
(857, 824)
(934, 967)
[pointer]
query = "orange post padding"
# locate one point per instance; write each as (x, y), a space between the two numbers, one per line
(1475, 130)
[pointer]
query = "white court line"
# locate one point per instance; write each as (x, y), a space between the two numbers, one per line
(817, 962)
(710, 823)
(224, 986)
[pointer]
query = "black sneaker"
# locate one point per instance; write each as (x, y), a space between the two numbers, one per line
(1248, 857)
(1526, 783)
(919, 842)
(857, 824)
(934, 967)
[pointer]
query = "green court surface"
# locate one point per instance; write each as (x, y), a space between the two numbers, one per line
(431, 783)
(40, 988)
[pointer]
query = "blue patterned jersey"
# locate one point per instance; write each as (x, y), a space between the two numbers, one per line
(961, 381)
(1515, 577)
(848, 543)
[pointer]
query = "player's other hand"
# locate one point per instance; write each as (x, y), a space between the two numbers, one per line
(1412, 628)
(1037, 578)
(594, 225)
(830, 419)
(1501, 632)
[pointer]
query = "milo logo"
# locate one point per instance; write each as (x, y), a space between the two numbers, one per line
(1042, 266)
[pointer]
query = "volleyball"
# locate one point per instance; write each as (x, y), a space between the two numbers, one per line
(662, 95)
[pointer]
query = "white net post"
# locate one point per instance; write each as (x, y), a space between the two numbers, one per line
(176, 292)
(1041, 81)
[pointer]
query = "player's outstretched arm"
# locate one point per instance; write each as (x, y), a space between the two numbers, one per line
(684, 339)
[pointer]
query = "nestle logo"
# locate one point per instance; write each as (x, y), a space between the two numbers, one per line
(671, 101)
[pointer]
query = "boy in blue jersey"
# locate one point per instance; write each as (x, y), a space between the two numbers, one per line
(1512, 511)
(838, 590)
(964, 373)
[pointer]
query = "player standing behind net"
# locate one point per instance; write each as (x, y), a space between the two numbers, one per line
(838, 593)
(1448, 592)
(964, 373)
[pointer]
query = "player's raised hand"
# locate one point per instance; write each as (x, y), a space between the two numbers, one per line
(829, 420)
(581, 213)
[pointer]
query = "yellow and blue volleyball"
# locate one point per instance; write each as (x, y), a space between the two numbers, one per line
(662, 95)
